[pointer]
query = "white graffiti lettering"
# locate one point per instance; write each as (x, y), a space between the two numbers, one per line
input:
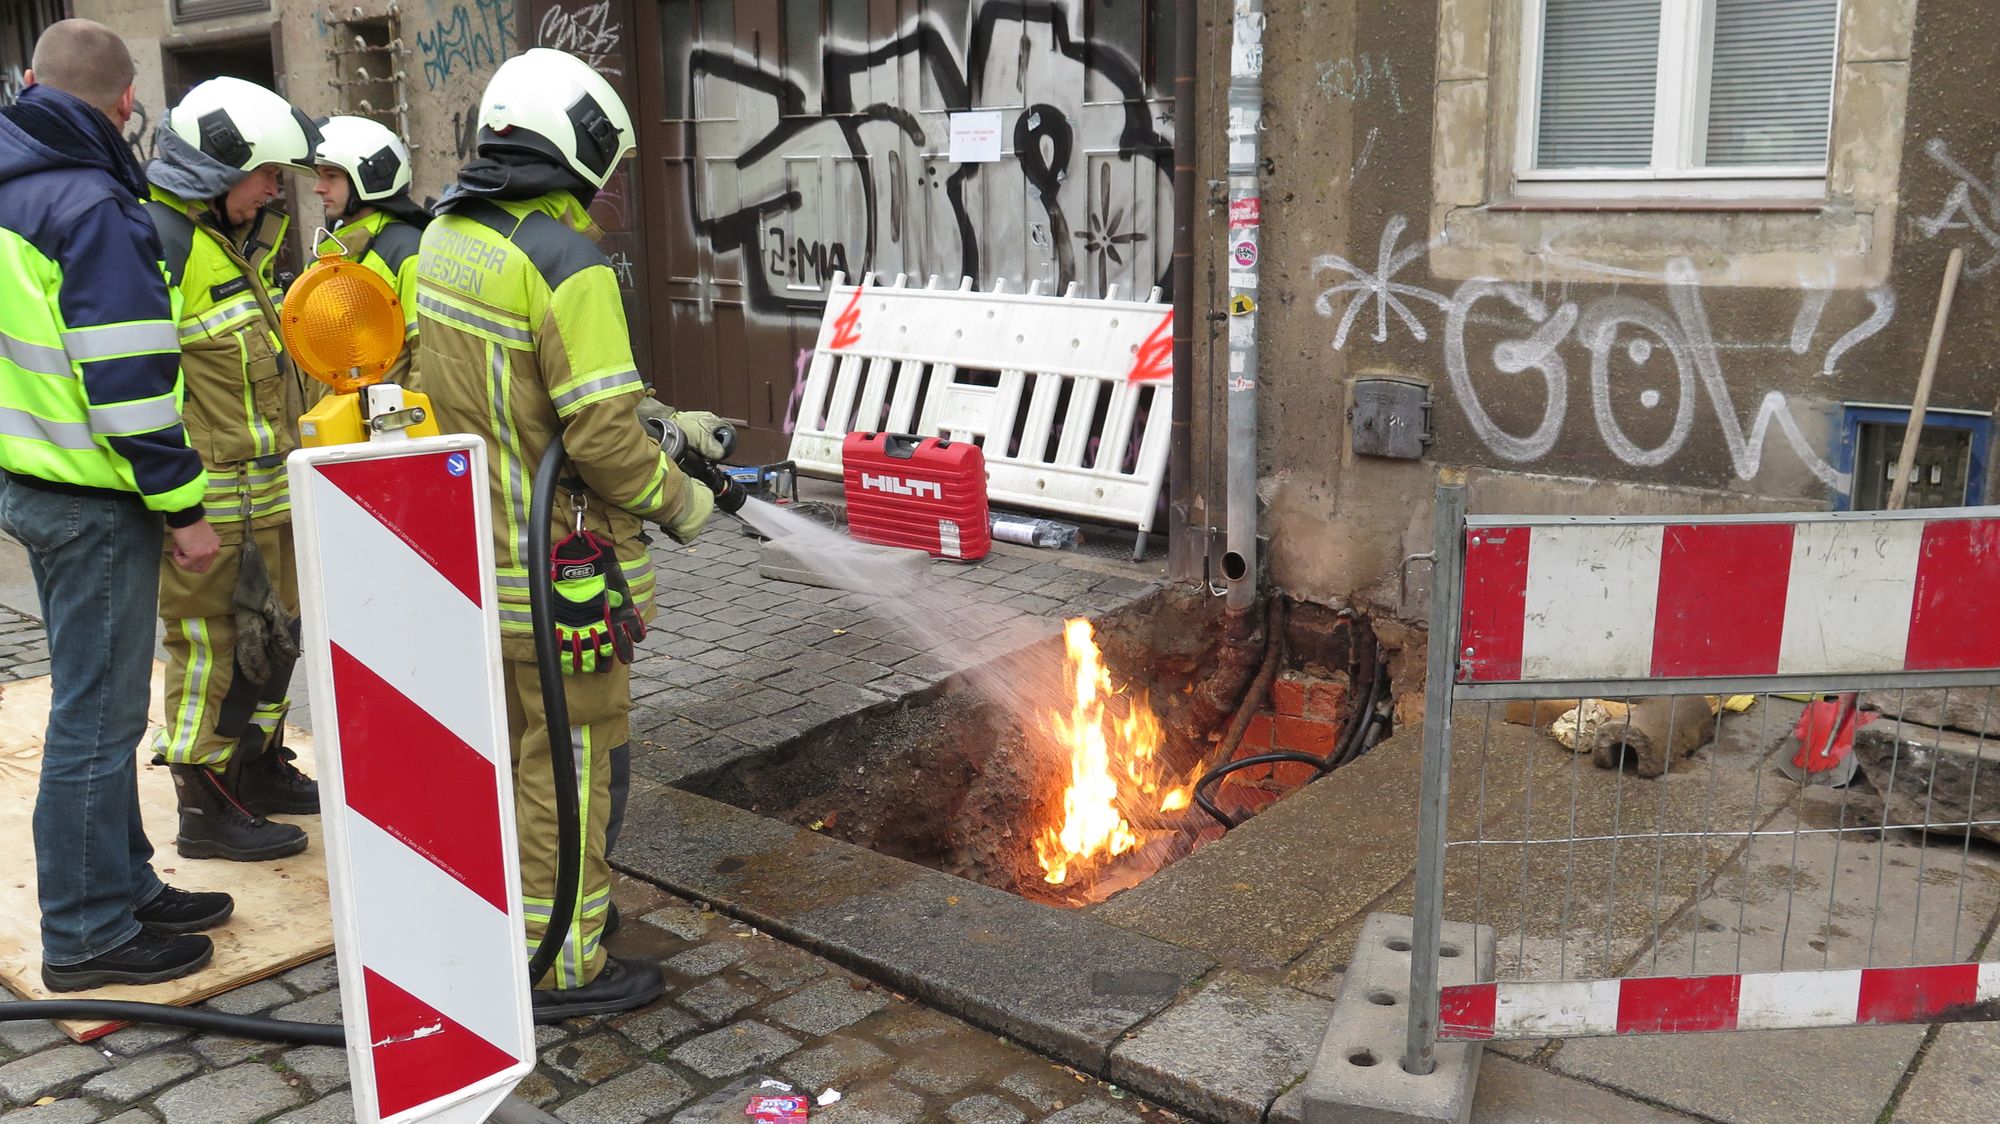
(587, 32)
(1381, 285)
(1973, 204)
(1620, 332)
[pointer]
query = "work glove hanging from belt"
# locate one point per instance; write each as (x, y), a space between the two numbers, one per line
(595, 619)
(698, 426)
(267, 638)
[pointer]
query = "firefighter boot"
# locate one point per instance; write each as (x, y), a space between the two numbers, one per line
(268, 784)
(620, 985)
(214, 825)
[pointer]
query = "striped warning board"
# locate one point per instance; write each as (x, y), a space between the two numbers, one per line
(1597, 600)
(1749, 1001)
(401, 628)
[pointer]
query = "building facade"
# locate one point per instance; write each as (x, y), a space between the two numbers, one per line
(1639, 255)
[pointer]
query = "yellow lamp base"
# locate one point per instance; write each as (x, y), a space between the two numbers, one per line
(337, 420)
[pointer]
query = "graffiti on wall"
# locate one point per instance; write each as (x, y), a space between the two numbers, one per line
(586, 31)
(842, 166)
(140, 135)
(1973, 204)
(1361, 79)
(1652, 362)
(465, 39)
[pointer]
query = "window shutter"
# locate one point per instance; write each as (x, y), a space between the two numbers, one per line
(1600, 64)
(1771, 82)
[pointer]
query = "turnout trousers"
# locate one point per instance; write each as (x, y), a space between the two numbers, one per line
(209, 708)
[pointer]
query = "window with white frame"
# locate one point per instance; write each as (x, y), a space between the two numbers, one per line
(1677, 97)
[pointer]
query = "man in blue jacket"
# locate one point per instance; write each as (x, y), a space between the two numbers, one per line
(97, 470)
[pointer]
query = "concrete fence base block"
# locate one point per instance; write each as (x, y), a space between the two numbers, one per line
(1358, 1077)
(837, 568)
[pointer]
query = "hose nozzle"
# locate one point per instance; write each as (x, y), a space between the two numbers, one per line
(729, 495)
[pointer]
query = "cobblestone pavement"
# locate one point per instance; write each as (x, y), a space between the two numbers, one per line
(735, 665)
(740, 1008)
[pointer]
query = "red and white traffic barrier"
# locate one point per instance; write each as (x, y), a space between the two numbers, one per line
(402, 635)
(1747, 1001)
(1825, 595)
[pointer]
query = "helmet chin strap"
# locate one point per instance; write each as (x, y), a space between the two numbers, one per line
(354, 203)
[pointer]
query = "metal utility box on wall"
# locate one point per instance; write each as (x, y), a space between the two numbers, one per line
(1951, 463)
(1390, 418)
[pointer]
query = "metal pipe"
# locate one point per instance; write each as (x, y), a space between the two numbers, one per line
(1246, 111)
(1184, 555)
(1427, 914)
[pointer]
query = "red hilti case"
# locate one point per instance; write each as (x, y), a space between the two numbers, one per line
(917, 492)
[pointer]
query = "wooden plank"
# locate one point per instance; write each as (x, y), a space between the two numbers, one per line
(282, 918)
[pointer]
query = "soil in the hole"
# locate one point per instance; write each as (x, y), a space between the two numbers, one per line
(954, 784)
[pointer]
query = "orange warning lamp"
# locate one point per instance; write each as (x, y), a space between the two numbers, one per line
(344, 326)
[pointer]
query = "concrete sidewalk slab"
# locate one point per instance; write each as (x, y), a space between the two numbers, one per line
(1957, 1080)
(1835, 1076)
(1227, 1051)
(1513, 1093)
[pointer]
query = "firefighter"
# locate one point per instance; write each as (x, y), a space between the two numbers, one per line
(231, 634)
(364, 182)
(523, 338)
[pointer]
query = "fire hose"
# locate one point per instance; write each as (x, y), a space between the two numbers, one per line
(729, 497)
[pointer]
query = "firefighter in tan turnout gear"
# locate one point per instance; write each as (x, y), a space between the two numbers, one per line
(522, 337)
(231, 633)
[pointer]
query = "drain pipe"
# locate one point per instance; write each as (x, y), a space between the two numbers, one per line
(1246, 111)
(1184, 560)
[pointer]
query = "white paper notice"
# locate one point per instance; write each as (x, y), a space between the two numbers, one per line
(975, 137)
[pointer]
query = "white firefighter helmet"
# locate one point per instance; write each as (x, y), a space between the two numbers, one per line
(244, 125)
(376, 160)
(553, 103)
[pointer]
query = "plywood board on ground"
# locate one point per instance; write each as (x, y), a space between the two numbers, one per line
(282, 917)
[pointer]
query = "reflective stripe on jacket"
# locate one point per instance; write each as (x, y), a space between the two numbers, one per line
(90, 386)
(243, 404)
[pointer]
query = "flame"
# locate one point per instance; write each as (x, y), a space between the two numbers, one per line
(1113, 762)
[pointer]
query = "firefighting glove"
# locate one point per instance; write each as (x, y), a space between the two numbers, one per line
(583, 603)
(266, 635)
(627, 627)
(697, 504)
(698, 426)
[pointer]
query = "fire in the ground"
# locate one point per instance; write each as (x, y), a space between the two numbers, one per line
(1114, 742)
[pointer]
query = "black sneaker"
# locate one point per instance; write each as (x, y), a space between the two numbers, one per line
(182, 911)
(147, 958)
(621, 986)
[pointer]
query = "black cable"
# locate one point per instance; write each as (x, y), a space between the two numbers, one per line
(1201, 786)
(1366, 718)
(120, 1010)
(555, 713)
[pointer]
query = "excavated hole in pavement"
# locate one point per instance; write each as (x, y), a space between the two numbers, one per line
(964, 779)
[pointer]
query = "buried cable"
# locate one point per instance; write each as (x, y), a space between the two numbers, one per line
(1209, 778)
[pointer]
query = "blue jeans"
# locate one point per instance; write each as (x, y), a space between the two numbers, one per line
(96, 562)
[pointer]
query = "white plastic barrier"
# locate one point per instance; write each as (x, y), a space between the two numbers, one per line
(1067, 396)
